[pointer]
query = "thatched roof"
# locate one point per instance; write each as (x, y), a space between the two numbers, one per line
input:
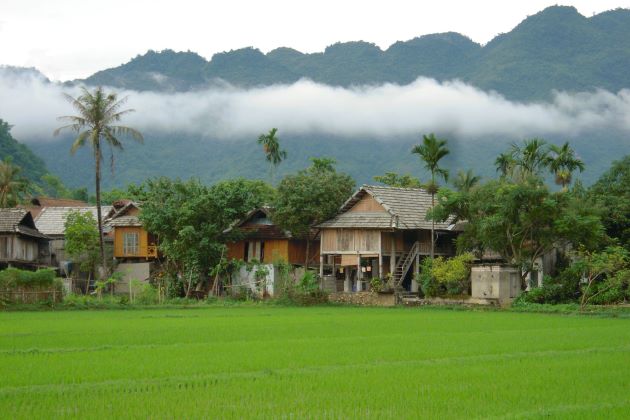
(405, 209)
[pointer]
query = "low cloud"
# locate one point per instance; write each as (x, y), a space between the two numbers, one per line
(32, 105)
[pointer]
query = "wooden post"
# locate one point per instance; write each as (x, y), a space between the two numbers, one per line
(392, 260)
(321, 266)
(416, 271)
(347, 284)
(359, 275)
(380, 265)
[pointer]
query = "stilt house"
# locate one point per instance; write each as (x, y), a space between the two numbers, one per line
(381, 231)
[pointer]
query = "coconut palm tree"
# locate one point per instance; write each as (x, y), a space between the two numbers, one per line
(563, 162)
(431, 151)
(530, 159)
(95, 123)
(505, 164)
(465, 181)
(12, 185)
(273, 153)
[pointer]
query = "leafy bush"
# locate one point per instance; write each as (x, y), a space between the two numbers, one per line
(13, 278)
(23, 286)
(446, 277)
(376, 284)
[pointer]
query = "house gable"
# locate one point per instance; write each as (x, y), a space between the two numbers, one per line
(367, 204)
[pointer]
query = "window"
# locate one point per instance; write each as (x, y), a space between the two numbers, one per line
(130, 243)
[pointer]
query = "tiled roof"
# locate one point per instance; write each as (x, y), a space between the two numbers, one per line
(39, 203)
(51, 220)
(406, 208)
(18, 221)
(124, 221)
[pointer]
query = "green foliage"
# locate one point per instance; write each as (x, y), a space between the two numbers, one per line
(189, 218)
(12, 278)
(81, 240)
(446, 277)
(310, 197)
(32, 166)
(29, 287)
(606, 274)
(395, 180)
(521, 219)
(376, 284)
(612, 194)
(13, 187)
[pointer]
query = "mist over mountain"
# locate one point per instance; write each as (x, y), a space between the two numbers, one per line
(557, 75)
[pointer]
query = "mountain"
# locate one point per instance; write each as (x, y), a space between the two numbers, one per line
(557, 48)
(32, 166)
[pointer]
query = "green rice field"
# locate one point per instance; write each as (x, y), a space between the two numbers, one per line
(318, 362)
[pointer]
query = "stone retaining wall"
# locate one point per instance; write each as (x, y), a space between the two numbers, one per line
(364, 298)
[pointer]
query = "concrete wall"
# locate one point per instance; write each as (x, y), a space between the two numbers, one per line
(495, 283)
(138, 271)
(247, 279)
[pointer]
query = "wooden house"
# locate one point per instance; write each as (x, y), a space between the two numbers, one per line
(381, 231)
(21, 244)
(259, 239)
(51, 221)
(131, 241)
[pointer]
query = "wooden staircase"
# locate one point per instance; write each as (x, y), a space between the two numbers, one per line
(403, 265)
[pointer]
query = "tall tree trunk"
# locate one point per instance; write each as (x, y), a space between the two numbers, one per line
(97, 157)
(432, 225)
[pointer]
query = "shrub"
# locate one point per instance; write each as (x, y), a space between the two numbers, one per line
(376, 284)
(446, 277)
(23, 286)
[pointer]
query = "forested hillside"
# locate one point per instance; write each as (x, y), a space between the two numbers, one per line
(557, 48)
(32, 166)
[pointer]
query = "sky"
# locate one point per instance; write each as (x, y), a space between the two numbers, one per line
(68, 39)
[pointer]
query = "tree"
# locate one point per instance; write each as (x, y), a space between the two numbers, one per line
(610, 266)
(189, 219)
(563, 162)
(612, 194)
(310, 197)
(465, 181)
(12, 185)
(431, 151)
(505, 164)
(521, 220)
(98, 112)
(273, 153)
(82, 241)
(395, 180)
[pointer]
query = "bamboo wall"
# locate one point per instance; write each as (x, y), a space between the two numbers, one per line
(14, 248)
(350, 240)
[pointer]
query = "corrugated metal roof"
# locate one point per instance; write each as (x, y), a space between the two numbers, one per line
(51, 220)
(406, 208)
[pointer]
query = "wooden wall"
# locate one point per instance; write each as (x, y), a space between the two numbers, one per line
(350, 240)
(292, 251)
(15, 248)
(367, 204)
(144, 249)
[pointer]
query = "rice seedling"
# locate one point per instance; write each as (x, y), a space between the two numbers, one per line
(319, 362)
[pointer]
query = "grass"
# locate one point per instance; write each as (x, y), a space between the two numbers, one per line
(318, 362)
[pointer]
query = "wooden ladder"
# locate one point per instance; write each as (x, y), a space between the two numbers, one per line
(403, 265)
